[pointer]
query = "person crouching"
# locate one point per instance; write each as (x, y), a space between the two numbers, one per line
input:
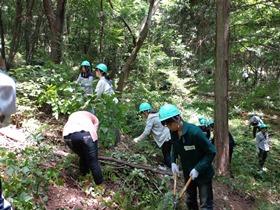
(80, 135)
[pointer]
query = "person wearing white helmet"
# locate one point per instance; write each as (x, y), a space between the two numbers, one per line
(255, 121)
(7, 98)
(160, 133)
(262, 145)
(85, 78)
(7, 107)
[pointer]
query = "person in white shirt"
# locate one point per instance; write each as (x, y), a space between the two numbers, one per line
(7, 98)
(262, 144)
(104, 85)
(161, 134)
(7, 107)
(85, 78)
(255, 121)
(245, 76)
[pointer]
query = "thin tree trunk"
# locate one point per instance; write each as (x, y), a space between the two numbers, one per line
(35, 38)
(56, 24)
(16, 31)
(28, 27)
(221, 87)
(3, 54)
(101, 31)
(144, 29)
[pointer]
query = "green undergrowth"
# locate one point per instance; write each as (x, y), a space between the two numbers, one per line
(27, 175)
(261, 187)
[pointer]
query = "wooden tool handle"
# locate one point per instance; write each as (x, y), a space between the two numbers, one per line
(185, 187)
(175, 183)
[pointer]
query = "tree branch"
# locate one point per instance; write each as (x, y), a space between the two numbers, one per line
(132, 165)
(125, 24)
(121, 162)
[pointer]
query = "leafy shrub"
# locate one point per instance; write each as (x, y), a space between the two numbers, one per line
(263, 97)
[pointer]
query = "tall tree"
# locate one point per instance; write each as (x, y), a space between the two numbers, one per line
(16, 31)
(56, 24)
(3, 55)
(221, 86)
(101, 30)
(144, 29)
(28, 26)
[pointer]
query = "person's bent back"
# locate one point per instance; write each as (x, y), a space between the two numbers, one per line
(7, 98)
(80, 135)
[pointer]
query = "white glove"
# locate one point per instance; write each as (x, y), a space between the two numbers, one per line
(194, 174)
(174, 168)
(136, 140)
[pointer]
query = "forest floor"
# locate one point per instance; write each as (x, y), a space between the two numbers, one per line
(74, 195)
(71, 195)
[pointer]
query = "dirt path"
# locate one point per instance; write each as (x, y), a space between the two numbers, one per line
(69, 196)
(225, 198)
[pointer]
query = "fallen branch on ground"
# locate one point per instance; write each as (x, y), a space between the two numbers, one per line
(132, 165)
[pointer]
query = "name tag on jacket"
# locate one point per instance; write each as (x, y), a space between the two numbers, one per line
(187, 148)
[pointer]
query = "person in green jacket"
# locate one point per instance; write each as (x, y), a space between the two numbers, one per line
(196, 154)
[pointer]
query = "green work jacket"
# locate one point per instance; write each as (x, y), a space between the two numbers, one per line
(195, 151)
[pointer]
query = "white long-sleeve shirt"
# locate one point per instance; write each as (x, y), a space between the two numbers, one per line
(7, 95)
(159, 132)
(103, 87)
(86, 83)
(262, 141)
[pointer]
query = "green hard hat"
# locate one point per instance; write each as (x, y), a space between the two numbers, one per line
(168, 111)
(85, 63)
(202, 121)
(145, 107)
(102, 67)
(263, 126)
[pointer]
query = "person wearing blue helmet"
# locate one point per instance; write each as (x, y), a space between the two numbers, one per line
(204, 126)
(85, 78)
(262, 144)
(160, 133)
(196, 155)
(104, 85)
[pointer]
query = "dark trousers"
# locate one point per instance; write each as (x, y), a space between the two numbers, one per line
(255, 129)
(262, 157)
(82, 144)
(230, 152)
(205, 196)
(166, 149)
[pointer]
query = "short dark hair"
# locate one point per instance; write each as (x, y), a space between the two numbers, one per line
(170, 120)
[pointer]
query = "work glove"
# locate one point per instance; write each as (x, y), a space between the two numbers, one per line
(194, 174)
(136, 140)
(174, 168)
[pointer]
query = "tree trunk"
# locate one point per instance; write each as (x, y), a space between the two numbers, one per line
(221, 87)
(16, 31)
(101, 31)
(56, 24)
(34, 38)
(28, 27)
(3, 54)
(144, 29)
